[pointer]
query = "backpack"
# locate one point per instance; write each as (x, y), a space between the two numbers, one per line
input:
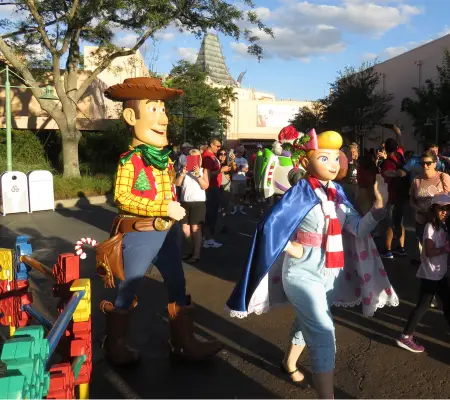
(402, 184)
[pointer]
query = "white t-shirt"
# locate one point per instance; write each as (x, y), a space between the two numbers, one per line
(433, 268)
(241, 162)
(191, 190)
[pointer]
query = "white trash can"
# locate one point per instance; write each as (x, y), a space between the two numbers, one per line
(14, 189)
(41, 191)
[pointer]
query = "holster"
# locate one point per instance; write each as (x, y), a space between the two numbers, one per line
(109, 256)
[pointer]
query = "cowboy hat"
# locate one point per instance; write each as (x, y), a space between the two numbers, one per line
(141, 89)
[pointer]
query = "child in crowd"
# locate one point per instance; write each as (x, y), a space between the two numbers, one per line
(432, 271)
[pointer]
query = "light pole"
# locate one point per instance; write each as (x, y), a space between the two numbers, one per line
(47, 95)
(439, 116)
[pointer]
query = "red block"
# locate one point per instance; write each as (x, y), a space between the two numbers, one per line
(67, 268)
(23, 284)
(61, 382)
(82, 344)
(4, 286)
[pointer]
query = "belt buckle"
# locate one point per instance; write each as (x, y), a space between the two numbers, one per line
(161, 224)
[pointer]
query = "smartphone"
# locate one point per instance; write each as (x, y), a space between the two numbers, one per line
(191, 162)
(230, 155)
(388, 126)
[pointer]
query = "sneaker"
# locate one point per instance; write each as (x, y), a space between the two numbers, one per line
(387, 254)
(400, 252)
(434, 303)
(408, 343)
(211, 244)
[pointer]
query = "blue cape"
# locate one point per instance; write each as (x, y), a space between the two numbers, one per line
(271, 237)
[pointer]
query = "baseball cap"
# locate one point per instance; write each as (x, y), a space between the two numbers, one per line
(186, 144)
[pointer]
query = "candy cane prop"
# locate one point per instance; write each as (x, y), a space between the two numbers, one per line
(79, 246)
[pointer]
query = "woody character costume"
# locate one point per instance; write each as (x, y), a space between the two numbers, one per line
(146, 230)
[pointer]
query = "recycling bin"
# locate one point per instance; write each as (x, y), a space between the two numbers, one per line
(14, 192)
(41, 191)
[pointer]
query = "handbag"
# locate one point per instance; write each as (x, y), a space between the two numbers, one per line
(109, 258)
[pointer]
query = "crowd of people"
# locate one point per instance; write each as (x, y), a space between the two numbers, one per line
(421, 182)
(218, 184)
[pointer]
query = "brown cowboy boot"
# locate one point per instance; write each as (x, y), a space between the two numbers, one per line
(183, 342)
(115, 346)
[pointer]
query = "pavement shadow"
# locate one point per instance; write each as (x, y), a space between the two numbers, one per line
(98, 216)
(228, 375)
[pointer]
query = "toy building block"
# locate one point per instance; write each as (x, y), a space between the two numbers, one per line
(82, 345)
(6, 266)
(26, 355)
(14, 387)
(67, 269)
(61, 382)
(23, 248)
(83, 311)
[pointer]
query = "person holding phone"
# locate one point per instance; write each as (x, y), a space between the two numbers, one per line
(239, 180)
(193, 182)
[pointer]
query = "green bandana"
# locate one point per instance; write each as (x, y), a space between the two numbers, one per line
(151, 156)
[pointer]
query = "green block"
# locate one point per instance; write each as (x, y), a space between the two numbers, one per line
(16, 348)
(24, 366)
(45, 383)
(35, 331)
(13, 387)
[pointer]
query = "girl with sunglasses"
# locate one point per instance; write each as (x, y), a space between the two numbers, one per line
(432, 271)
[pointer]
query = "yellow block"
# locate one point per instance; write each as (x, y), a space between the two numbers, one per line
(83, 310)
(6, 265)
(83, 391)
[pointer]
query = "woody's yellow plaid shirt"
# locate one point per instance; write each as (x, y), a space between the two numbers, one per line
(130, 204)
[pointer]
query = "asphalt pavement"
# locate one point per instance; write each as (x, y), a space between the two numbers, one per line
(368, 365)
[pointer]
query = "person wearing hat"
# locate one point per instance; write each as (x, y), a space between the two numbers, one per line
(432, 271)
(148, 211)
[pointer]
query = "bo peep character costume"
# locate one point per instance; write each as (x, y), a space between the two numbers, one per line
(271, 276)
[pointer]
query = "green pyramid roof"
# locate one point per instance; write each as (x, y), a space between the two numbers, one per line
(211, 60)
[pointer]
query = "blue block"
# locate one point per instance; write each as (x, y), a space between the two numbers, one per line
(23, 248)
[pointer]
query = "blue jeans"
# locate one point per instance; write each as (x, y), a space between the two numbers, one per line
(140, 250)
(311, 295)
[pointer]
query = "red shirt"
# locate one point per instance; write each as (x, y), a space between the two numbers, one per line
(389, 165)
(211, 162)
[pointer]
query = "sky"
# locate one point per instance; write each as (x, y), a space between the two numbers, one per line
(313, 40)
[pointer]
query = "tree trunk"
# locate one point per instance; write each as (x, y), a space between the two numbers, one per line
(70, 138)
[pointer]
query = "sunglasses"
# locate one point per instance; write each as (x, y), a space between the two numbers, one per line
(427, 163)
(222, 154)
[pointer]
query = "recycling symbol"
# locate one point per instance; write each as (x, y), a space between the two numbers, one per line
(14, 189)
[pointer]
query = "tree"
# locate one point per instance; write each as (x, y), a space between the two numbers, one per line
(207, 106)
(50, 32)
(309, 117)
(430, 99)
(355, 104)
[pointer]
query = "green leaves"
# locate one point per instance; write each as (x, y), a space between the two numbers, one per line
(354, 106)
(206, 108)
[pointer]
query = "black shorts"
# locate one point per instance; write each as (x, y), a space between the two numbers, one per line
(195, 212)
